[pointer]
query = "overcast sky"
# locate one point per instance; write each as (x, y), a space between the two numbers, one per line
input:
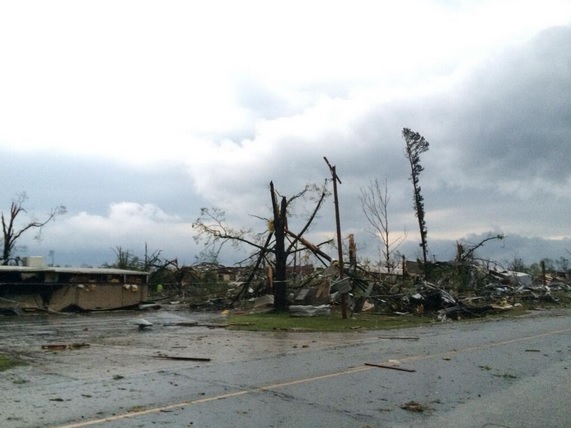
(135, 114)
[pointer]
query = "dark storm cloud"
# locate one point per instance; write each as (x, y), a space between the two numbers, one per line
(528, 248)
(91, 184)
(513, 119)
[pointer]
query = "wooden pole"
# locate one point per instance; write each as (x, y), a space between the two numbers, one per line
(339, 241)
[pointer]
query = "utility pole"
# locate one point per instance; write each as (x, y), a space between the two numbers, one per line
(339, 241)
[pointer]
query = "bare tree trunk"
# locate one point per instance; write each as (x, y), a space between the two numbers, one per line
(280, 285)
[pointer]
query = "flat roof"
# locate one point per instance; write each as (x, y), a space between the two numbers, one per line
(77, 270)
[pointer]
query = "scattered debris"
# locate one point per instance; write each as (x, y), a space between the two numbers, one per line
(464, 287)
(317, 295)
(63, 346)
(309, 311)
(413, 406)
(142, 323)
(399, 337)
(181, 358)
(146, 306)
(55, 347)
(506, 376)
(79, 345)
(264, 301)
(182, 324)
(383, 366)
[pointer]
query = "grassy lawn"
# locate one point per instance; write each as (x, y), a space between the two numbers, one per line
(369, 321)
(283, 321)
(8, 362)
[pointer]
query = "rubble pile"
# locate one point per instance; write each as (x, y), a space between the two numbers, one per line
(456, 293)
(489, 292)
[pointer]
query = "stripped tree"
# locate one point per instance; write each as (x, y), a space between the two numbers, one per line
(12, 229)
(274, 245)
(415, 146)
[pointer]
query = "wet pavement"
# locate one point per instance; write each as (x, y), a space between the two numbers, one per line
(116, 344)
(494, 373)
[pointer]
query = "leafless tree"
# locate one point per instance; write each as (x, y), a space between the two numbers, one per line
(11, 232)
(375, 203)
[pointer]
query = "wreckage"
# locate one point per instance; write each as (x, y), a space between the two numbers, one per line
(35, 286)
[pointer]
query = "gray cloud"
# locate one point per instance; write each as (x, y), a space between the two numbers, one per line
(498, 133)
(513, 118)
(92, 183)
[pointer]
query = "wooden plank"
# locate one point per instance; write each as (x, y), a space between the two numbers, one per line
(390, 367)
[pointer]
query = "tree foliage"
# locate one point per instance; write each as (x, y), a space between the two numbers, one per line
(12, 231)
(415, 146)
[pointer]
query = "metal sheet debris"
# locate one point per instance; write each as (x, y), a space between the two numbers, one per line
(309, 311)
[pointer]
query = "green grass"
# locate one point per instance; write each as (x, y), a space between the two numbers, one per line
(564, 299)
(333, 323)
(9, 362)
(272, 321)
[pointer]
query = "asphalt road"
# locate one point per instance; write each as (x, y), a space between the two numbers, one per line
(492, 373)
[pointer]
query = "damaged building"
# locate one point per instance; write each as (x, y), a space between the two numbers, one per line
(35, 286)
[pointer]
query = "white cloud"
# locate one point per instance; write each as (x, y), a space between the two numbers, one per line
(125, 219)
(104, 77)
(128, 225)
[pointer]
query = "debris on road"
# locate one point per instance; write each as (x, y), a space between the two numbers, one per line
(413, 406)
(182, 324)
(63, 346)
(142, 323)
(384, 366)
(147, 306)
(182, 358)
(399, 337)
(55, 347)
